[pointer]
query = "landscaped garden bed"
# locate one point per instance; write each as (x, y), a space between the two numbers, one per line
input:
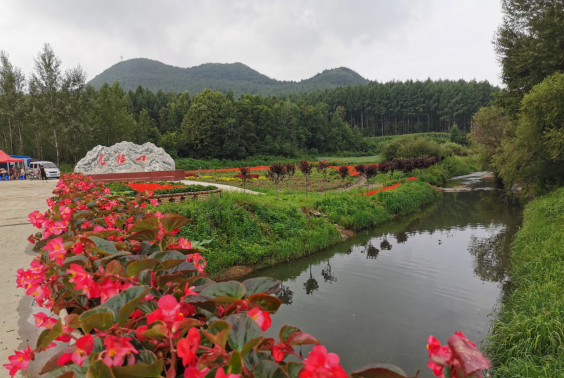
(164, 191)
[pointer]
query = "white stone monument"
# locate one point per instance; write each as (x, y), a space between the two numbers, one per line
(125, 157)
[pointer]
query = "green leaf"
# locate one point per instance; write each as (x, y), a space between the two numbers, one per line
(135, 267)
(294, 368)
(148, 307)
(235, 364)
(49, 335)
(145, 224)
(168, 255)
(104, 246)
(139, 370)
(156, 329)
(126, 302)
(286, 331)
(114, 267)
(269, 369)
(218, 332)
(173, 221)
(266, 301)
(146, 277)
(254, 357)
(261, 285)
(201, 302)
(225, 289)
(100, 318)
(146, 357)
(65, 371)
(301, 338)
(77, 259)
(98, 369)
(149, 235)
(379, 371)
(243, 330)
(251, 344)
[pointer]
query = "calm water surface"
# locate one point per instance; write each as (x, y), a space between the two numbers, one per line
(376, 297)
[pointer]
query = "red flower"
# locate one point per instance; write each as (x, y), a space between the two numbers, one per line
(19, 361)
(187, 347)
(84, 347)
(220, 373)
(261, 317)
(277, 353)
(319, 364)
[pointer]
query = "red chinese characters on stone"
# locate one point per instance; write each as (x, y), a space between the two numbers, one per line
(120, 159)
(141, 158)
(101, 160)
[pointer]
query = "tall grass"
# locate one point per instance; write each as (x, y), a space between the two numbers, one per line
(407, 198)
(527, 335)
(452, 166)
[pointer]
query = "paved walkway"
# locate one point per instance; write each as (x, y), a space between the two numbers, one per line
(17, 328)
(220, 186)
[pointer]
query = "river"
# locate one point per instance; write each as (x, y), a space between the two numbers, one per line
(377, 297)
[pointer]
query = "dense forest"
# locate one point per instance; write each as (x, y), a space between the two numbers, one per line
(57, 116)
(235, 77)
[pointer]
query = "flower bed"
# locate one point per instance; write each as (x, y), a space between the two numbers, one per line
(157, 188)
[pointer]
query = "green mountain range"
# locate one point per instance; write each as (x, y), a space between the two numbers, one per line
(221, 77)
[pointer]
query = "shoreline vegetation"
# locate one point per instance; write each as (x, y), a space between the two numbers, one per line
(526, 335)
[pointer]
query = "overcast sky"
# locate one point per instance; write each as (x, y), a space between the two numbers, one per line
(284, 39)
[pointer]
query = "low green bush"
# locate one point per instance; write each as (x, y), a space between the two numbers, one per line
(407, 197)
(411, 145)
(527, 335)
(450, 167)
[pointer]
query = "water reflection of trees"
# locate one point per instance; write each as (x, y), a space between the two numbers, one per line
(401, 237)
(371, 251)
(385, 245)
(491, 257)
(327, 274)
(285, 294)
(311, 284)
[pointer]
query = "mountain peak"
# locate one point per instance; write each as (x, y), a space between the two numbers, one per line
(238, 77)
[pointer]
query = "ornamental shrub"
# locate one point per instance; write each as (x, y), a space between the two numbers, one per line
(134, 297)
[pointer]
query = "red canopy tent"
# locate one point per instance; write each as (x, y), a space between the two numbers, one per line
(5, 158)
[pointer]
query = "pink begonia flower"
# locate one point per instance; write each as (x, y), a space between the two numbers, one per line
(192, 372)
(66, 212)
(56, 250)
(189, 290)
(99, 228)
(84, 347)
(42, 320)
(184, 243)
(19, 361)
(169, 305)
(261, 317)
(155, 202)
(36, 218)
(78, 248)
(319, 364)
(117, 350)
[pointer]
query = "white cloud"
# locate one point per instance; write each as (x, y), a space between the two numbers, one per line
(284, 39)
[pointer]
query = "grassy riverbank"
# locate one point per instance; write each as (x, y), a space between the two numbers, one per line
(250, 229)
(527, 336)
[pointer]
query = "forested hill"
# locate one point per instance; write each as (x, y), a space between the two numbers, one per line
(237, 77)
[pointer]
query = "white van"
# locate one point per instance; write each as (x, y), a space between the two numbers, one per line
(51, 169)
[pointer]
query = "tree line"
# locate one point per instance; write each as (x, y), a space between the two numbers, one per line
(521, 135)
(54, 115)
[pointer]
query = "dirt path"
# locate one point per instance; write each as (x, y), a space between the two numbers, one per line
(17, 200)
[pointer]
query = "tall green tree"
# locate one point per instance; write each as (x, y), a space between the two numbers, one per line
(529, 45)
(12, 106)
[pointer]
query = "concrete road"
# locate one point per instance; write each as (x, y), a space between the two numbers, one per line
(17, 327)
